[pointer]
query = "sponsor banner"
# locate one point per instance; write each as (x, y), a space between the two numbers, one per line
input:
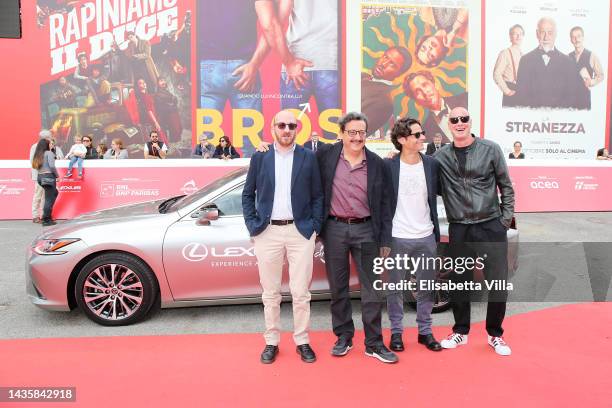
(548, 188)
(546, 71)
(105, 186)
(539, 187)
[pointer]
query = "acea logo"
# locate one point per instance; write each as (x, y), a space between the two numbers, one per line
(189, 187)
(196, 252)
(544, 183)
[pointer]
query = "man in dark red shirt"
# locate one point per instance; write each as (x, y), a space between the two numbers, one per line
(357, 222)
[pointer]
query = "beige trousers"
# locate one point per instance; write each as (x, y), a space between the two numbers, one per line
(271, 246)
(37, 200)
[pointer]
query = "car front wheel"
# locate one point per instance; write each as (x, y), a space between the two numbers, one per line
(116, 289)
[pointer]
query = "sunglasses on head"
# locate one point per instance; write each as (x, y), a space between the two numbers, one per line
(282, 126)
(455, 120)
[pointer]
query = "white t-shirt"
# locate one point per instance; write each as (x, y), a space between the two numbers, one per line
(77, 148)
(412, 219)
(313, 33)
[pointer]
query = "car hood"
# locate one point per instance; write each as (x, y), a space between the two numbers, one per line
(117, 215)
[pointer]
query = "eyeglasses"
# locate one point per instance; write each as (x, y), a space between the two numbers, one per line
(455, 120)
(282, 125)
(354, 133)
(418, 135)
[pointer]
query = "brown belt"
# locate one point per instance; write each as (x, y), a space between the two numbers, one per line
(281, 222)
(350, 220)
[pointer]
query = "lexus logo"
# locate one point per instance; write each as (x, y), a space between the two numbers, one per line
(195, 252)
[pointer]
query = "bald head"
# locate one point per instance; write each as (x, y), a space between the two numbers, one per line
(284, 129)
(547, 33)
(462, 128)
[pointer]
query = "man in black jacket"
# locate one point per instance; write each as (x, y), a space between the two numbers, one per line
(357, 218)
(471, 172)
(415, 230)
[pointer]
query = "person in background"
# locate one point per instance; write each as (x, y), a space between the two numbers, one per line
(155, 148)
(101, 149)
(76, 155)
(39, 192)
(204, 149)
(517, 154)
(91, 152)
(116, 151)
(225, 150)
(436, 145)
(603, 154)
(44, 162)
(57, 151)
(313, 143)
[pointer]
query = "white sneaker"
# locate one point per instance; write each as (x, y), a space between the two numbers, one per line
(500, 346)
(454, 340)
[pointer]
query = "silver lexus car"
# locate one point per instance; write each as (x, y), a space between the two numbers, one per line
(117, 264)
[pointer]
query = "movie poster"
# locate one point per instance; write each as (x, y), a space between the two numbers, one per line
(546, 77)
(414, 62)
(250, 67)
(117, 70)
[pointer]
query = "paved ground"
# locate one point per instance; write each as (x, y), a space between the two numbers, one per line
(20, 319)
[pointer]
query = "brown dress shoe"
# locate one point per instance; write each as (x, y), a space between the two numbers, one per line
(36, 220)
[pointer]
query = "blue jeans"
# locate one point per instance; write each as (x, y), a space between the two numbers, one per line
(323, 85)
(217, 87)
(416, 248)
(78, 161)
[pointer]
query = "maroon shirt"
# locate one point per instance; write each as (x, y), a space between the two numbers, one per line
(350, 190)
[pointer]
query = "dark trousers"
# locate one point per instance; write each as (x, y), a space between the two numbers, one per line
(50, 196)
(340, 240)
(477, 240)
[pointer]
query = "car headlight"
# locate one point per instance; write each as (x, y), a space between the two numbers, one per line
(53, 246)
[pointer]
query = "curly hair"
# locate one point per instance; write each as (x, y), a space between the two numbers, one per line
(402, 128)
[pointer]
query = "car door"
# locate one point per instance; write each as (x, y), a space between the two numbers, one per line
(215, 260)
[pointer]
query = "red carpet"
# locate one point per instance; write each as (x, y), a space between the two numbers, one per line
(561, 357)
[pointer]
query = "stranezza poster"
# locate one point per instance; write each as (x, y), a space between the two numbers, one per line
(546, 77)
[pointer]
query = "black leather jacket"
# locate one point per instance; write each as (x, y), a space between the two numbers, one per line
(472, 198)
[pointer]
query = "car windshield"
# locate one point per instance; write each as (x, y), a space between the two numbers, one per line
(209, 188)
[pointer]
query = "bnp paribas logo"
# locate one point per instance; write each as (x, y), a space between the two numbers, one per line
(189, 187)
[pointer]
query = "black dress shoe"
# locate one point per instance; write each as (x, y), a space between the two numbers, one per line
(306, 353)
(342, 347)
(269, 354)
(48, 223)
(430, 342)
(396, 343)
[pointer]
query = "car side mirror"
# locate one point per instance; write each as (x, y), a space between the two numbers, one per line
(207, 214)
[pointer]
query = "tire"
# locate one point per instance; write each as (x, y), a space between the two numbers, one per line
(111, 302)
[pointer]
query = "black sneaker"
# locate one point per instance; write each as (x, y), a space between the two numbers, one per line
(306, 353)
(382, 353)
(269, 354)
(396, 344)
(342, 347)
(48, 223)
